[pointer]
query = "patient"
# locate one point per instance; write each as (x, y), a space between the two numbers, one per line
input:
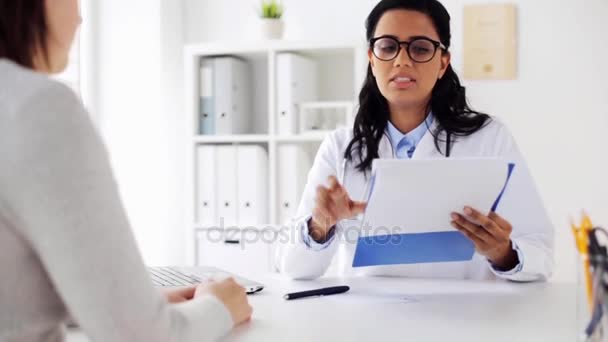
(66, 248)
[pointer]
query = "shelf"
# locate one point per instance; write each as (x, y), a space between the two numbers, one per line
(265, 46)
(227, 139)
(260, 138)
(326, 105)
(307, 137)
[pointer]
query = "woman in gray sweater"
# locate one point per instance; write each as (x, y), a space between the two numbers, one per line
(66, 248)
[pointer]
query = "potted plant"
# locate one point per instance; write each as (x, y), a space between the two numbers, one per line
(272, 24)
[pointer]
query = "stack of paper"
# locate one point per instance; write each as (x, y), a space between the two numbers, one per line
(407, 219)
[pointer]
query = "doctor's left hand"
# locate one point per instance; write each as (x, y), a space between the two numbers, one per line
(490, 234)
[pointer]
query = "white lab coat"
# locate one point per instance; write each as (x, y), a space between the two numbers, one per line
(520, 205)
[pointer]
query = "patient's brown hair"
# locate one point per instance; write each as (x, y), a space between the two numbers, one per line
(23, 31)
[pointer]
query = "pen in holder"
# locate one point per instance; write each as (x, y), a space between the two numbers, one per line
(592, 272)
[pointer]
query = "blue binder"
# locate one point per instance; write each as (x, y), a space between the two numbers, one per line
(207, 116)
(207, 97)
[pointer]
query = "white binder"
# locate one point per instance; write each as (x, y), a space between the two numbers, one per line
(206, 207)
(252, 179)
(296, 83)
(232, 92)
(294, 165)
(226, 172)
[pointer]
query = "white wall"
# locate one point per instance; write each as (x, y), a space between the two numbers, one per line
(557, 108)
(312, 19)
(137, 85)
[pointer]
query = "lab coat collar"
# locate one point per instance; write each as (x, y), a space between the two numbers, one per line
(424, 149)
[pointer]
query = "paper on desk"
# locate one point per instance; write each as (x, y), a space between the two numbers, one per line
(407, 219)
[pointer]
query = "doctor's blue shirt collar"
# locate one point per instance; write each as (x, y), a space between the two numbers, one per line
(406, 143)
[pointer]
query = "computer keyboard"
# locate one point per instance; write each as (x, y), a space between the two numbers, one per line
(168, 276)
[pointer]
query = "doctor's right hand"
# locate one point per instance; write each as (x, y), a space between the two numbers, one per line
(332, 204)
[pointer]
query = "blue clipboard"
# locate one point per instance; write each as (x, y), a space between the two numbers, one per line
(415, 248)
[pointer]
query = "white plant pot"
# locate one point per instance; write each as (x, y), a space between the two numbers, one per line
(272, 28)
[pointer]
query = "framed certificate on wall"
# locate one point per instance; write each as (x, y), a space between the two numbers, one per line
(490, 41)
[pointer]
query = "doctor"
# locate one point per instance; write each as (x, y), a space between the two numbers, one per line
(412, 106)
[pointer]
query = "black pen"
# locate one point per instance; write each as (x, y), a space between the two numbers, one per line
(318, 292)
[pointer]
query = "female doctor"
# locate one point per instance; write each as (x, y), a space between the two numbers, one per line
(412, 106)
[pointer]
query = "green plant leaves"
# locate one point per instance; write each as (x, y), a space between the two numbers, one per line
(271, 9)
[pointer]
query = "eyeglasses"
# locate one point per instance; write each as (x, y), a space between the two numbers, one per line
(420, 50)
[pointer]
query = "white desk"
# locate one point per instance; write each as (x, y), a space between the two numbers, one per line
(398, 309)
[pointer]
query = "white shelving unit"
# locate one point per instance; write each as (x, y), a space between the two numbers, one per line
(341, 71)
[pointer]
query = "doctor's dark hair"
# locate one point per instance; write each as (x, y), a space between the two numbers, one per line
(448, 99)
(23, 31)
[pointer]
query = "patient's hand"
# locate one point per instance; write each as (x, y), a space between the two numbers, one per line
(232, 295)
(181, 294)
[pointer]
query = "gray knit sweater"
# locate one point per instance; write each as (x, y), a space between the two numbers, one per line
(66, 247)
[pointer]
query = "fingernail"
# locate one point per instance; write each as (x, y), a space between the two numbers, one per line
(468, 210)
(454, 216)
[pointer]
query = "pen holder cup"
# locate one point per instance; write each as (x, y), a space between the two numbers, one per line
(583, 313)
(583, 309)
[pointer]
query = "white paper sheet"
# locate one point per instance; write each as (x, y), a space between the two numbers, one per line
(418, 196)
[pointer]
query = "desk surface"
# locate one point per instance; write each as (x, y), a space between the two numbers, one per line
(411, 310)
